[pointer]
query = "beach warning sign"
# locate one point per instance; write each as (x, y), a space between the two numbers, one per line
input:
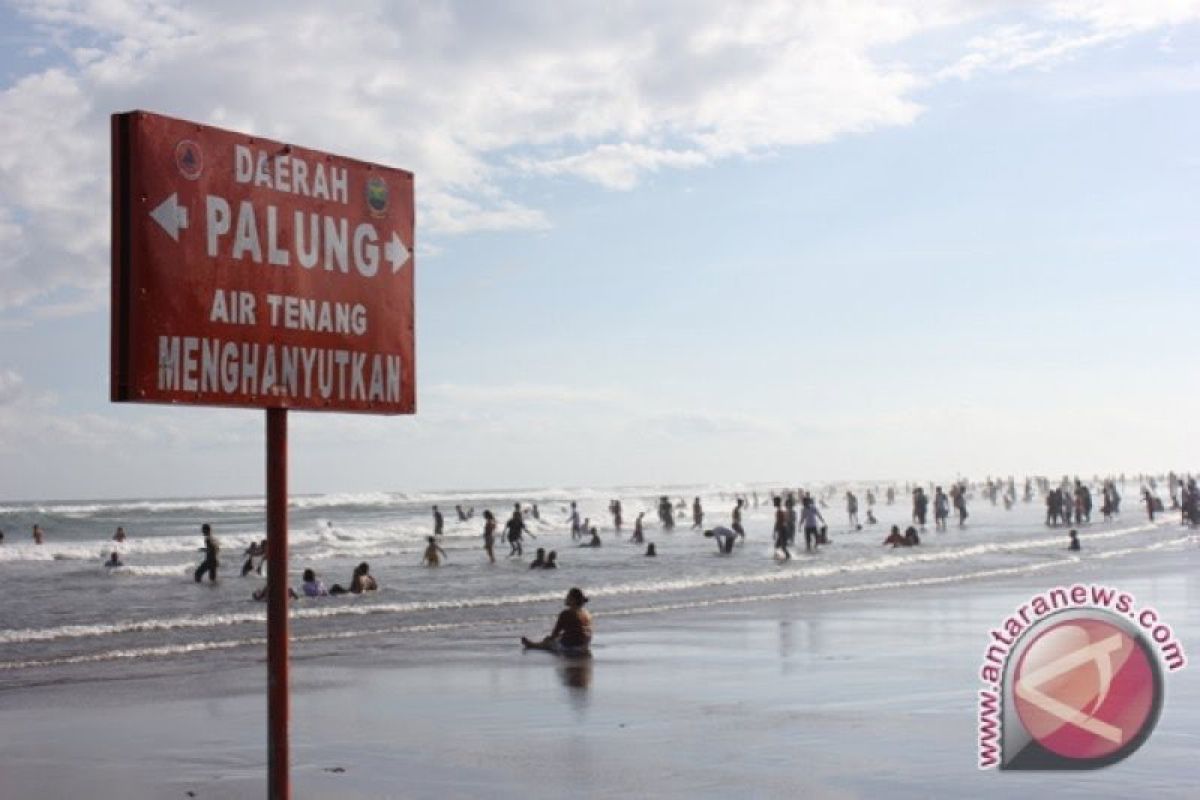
(248, 272)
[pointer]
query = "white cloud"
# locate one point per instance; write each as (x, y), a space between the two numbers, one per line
(469, 95)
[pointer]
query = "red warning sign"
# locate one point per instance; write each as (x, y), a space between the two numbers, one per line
(247, 272)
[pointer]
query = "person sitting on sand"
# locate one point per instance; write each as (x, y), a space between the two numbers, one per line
(650, 551)
(361, 581)
(311, 586)
(895, 538)
(551, 560)
(1074, 545)
(114, 560)
(572, 634)
(433, 553)
(539, 559)
(725, 538)
(594, 541)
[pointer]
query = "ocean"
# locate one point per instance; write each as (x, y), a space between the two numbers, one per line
(69, 618)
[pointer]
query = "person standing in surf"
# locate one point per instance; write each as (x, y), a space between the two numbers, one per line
(439, 524)
(737, 519)
(780, 529)
(489, 535)
(697, 515)
(514, 531)
(211, 550)
(811, 520)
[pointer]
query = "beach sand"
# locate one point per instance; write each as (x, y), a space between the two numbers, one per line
(866, 694)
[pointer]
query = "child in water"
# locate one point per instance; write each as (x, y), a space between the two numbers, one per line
(1074, 545)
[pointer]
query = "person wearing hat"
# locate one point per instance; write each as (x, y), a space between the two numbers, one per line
(572, 634)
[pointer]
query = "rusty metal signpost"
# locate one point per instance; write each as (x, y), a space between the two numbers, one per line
(255, 274)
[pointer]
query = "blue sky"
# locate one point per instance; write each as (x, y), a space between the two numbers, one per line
(781, 244)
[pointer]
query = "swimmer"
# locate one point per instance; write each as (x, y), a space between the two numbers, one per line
(1074, 545)
(572, 634)
(361, 581)
(650, 551)
(311, 586)
(895, 538)
(594, 541)
(911, 537)
(725, 539)
(539, 559)
(551, 560)
(433, 553)
(261, 594)
(871, 517)
(114, 560)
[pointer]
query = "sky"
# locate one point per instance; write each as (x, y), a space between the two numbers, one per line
(671, 242)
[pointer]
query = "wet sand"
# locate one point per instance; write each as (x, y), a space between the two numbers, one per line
(860, 695)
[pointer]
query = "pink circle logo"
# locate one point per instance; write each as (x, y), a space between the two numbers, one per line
(1087, 689)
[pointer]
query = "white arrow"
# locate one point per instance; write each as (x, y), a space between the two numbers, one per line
(171, 216)
(395, 252)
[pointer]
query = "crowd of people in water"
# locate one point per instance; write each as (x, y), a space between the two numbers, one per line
(795, 511)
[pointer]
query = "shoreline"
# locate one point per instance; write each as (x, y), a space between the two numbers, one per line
(837, 695)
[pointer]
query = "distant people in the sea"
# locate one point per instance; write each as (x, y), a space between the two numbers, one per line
(515, 530)
(576, 525)
(261, 594)
(255, 550)
(311, 586)
(38, 536)
(614, 508)
(1, 537)
(666, 514)
(119, 536)
(639, 533)
(462, 515)
(551, 560)
(737, 517)
(650, 551)
(114, 560)
(909, 538)
(1074, 545)
(361, 581)
(920, 506)
(489, 535)
(779, 529)
(211, 550)
(958, 498)
(812, 522)
(433, 553)
(941, 509)
(594, 541)
(871, 517)
(439, 523)
(725, 538)
(539, 559)
(852, 511)
(697, 515)
(572, 633)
